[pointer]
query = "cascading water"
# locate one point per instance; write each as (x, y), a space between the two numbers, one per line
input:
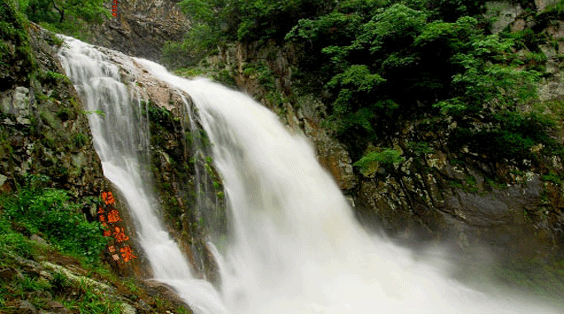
(119, 134)
(295, 247)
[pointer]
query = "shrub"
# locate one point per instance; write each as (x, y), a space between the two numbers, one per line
(51, 213)
(385, 157)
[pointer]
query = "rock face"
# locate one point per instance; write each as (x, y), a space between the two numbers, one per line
(142, 27)
(503, 12)
(44, 131)
(303, 118)
(43, 128)
(167, 138)
(461, 201)
(432, 195)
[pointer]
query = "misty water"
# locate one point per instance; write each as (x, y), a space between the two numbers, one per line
(295, 245)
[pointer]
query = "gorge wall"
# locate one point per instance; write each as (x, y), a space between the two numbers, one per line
(435, 193)
(44, 131)
(141, 28)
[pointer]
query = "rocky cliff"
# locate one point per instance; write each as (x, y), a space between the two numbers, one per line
(141, 28)
(433, 192)
(44, 133)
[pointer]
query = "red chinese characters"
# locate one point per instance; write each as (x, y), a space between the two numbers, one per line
(114, 8)
(108, 198)
(110, 219)
(113, 216)
(119, 235)
(127, 253)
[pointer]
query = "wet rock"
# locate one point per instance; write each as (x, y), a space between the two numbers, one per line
(142, 28)
(4, 185)
(36, 238)
(25, 307)
(155, 288)
(504, 13)
(334, 157)
(143, 306)
(29, 265)
(479, 211)
(78, 280)
(16, 103)
(44, 295)
(542, 4)
(43, 127)
(57, 307)
(127, 309)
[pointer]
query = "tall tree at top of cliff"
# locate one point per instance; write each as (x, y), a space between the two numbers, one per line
(57, 12)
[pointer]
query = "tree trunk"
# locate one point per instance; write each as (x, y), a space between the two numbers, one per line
(61, 12)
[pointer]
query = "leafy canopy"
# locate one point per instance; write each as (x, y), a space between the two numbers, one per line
(380, 62)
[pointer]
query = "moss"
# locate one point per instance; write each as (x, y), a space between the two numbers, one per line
(80, 140)
(456, 184)
(539, 277)
(51, 77)
(552, 177)
(15, 51)
(50, 120)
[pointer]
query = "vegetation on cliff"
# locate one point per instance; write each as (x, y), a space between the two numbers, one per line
(433, 68)
(378, 63)
(70, 17)
(439, 107)
(51, 248)
(49, 212)
(384, 66)
(50, 259)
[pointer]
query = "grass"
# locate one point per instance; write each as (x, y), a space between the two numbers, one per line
(30, 273)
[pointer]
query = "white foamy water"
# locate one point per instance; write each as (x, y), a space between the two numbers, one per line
(119, 131)
(296, 247)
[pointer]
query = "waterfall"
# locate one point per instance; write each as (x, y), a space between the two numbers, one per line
(120, 134)
(295, 246)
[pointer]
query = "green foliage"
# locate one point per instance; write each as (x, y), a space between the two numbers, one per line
(272, 18)
(420, 148)
(261, 72)
(404, 61)
(216, 22)
(70, 17)
(14, 242)
(527, 39)
(552, 177)
(52, 77)
(373, 159)
(551, 12)
(51, 213)
(378, 63)
(93, 301)
(511, 136)
(56, 11)
(182, 54)
(98, 112)
(16, 60)
(79, 140)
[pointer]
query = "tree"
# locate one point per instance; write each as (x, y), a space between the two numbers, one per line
(58, 11)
